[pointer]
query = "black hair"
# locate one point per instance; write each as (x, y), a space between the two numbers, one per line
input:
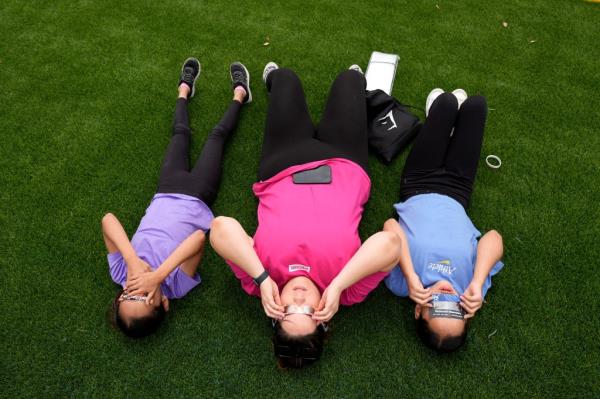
(434, 341)
(297, 351)
(137, 327)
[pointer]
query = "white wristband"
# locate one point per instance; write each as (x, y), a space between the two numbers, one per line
(497, 162)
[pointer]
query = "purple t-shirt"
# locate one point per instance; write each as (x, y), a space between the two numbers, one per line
(169, 220)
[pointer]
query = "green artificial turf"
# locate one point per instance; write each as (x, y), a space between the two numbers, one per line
(87, 91)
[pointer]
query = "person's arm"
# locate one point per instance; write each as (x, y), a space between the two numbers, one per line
(148, 283)
(380, 253)
(115, 237)
(116, 240)
(416, 291)
(489, 252)
(230, 241)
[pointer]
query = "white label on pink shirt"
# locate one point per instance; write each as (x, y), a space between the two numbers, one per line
(295, 268)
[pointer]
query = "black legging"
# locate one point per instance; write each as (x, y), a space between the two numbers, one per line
(203, 180)
(438, 163)
(290, 136)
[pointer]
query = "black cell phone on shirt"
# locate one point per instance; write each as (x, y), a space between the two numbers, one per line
(320, 175)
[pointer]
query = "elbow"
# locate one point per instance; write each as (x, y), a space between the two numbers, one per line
(496, 236)
(106, 219)
(392, 245)
(219, 227)
(389, 225)
(219, 223)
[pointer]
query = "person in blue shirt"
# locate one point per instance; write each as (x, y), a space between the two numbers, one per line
(445, 267)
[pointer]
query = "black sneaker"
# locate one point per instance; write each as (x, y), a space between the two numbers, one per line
(190, 71)
(241, 77)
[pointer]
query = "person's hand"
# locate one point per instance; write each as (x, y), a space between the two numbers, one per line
(471, 300)
(137, 266)
(145, 283)
(329, 304)
(417, 292)
(269, 295)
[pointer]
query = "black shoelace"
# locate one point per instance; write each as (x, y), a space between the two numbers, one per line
(238, 76)
(188, 75)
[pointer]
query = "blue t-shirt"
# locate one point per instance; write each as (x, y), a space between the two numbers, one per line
(442, 242)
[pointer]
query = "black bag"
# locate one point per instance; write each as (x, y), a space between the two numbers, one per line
(391, 126)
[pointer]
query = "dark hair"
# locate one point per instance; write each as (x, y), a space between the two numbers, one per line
(435, 341)
(137, 327)
(297, 351)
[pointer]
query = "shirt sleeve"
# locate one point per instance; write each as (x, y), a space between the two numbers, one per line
(396, 282)
(488, 281)
(180, 283)
(358, 292)
(117, 268)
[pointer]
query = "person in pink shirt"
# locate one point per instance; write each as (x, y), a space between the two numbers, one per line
(306, 257)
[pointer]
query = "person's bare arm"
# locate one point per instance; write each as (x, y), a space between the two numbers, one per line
(116, 240)
(115, 237)
(417, 292)
(405, 262)
(229, 239)
(188, 250)
(148, 283)
(489, 251)
(190, 265)
(379, 253)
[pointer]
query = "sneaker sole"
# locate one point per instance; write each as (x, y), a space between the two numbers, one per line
(249, 98)
(197, 76)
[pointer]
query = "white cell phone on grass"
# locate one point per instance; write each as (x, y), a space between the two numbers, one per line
(381, 71)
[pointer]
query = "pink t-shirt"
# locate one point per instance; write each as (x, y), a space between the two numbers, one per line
(311, 229)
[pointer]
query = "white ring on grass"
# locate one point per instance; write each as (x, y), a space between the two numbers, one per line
(497, 161)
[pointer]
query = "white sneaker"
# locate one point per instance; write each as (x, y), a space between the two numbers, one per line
(270, 67)
(460, 95)
(435, 93)
(356, 68)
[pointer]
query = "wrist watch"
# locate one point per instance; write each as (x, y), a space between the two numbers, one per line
(262, 277)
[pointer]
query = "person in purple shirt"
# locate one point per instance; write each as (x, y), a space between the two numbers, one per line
(160, 261)
(445, 267)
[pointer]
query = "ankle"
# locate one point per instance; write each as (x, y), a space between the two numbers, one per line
(239, 94)
(184, 90)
